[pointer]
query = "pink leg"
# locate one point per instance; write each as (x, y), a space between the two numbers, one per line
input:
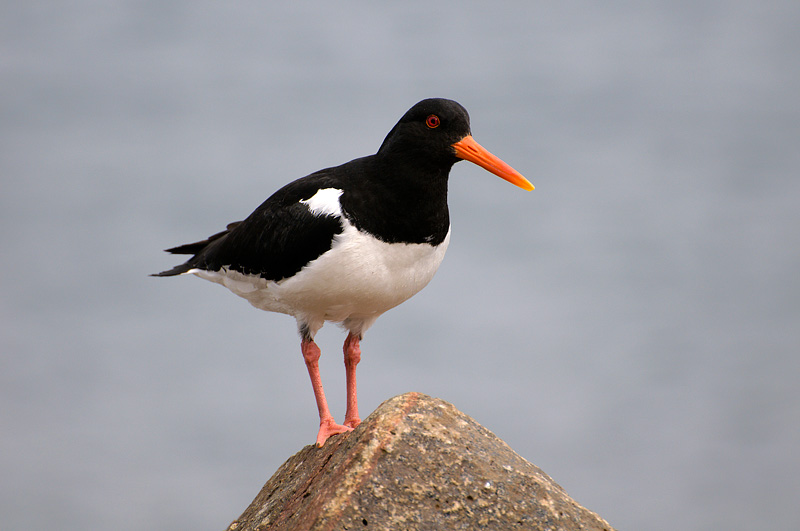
(327, 426)
(352, 355)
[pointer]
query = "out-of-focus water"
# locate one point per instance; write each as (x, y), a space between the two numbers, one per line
(631, 326)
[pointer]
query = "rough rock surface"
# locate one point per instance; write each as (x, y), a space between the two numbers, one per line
(416, 463)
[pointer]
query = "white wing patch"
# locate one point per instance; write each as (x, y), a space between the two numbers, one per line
(325, 202)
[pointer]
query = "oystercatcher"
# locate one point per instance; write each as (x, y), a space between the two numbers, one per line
(346, 244)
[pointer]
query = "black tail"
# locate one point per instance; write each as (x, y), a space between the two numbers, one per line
(177, 270)
(193, 249)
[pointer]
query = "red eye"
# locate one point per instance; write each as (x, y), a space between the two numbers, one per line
(432, 121)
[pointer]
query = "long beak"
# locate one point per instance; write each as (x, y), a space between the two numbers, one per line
(468, 149)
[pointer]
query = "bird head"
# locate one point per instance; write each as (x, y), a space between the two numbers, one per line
(437, 132)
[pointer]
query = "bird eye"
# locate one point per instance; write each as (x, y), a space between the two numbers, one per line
(432, 121)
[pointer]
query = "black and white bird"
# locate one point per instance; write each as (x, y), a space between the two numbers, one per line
(348, 243)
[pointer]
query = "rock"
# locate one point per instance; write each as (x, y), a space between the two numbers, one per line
(416, 463)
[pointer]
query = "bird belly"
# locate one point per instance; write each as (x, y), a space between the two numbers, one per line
(360, 278)
(354, 282)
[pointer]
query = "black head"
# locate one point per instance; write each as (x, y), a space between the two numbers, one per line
(429, 129)
(435, 134)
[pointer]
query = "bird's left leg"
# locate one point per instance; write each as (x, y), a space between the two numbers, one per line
(352, 355)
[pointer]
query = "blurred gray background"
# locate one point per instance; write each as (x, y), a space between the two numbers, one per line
(632, 326)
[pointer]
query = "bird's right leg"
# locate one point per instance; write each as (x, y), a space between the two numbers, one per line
(327, 426)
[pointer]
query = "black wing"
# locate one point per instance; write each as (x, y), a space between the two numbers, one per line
(275, 241)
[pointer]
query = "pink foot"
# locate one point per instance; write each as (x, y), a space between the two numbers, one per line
(328, 427)
(352, 423)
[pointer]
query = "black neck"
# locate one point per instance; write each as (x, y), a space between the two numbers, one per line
(400, 201)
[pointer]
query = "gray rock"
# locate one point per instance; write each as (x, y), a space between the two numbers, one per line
(416, 463)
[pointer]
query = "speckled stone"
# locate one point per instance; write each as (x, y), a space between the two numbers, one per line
(416, 463)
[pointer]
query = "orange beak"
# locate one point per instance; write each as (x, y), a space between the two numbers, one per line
(468, 149)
